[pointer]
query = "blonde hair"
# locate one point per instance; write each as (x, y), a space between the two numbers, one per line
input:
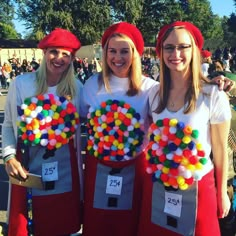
(66, 87)
(196, 78)
(135, 73)
(218, 66)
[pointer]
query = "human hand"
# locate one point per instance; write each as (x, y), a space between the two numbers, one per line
(223, 205)
(223, 83)
(14, 168)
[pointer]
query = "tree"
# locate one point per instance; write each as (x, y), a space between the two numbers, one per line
(7, 30)
(6, 11)
(126, 10)
(89, 18)
(231, 22)
(92, 18)
(86, 18)
(229, 31)
(199, 12)
(157, 13)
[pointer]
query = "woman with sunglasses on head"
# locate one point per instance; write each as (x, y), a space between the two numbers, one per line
(184, 191)
(41, 137)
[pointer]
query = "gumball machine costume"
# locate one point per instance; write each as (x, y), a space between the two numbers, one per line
(46, 142)
(117, 126)
(179, 191)
(46, 127)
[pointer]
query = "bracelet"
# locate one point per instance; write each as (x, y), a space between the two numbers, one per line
(9, 157)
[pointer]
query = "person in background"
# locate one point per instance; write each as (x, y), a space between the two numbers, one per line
(19, 70)
(227, 60)
(41, 136)
(184, 191)
(77, 64)
(6, 70)
(116, 101)
(1, 78)
(24, 65)
(206, 62)
(29, 67)
(34, 64)
(13, 62)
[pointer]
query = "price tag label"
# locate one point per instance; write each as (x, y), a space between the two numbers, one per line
(50, 171)
(114, 184)
(173, 204)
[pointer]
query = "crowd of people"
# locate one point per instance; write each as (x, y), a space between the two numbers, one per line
(9, 70)
(14, 67)
(219, 62)
(147, 169)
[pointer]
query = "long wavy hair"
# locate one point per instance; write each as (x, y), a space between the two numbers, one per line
(197, 78)
(66, 87)
(135, 72)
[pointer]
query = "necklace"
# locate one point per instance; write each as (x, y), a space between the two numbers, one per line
(172, 104)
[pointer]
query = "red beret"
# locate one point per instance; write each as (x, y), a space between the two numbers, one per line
(127, 29)
(194, 31)
(60, 38)
(205, 53)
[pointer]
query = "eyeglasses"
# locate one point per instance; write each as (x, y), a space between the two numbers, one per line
(169, 48)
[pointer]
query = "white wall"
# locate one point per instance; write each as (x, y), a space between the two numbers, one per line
(21, 53)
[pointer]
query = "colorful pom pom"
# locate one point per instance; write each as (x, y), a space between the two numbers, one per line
(115, 131)
(174, 155)
(42, 120)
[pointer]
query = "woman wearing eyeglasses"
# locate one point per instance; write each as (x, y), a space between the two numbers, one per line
(185, 191)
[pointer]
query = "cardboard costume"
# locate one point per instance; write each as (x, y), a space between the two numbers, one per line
(113, 170)
(46, 220)
(46, 148)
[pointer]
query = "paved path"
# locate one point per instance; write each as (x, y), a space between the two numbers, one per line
(3, 175)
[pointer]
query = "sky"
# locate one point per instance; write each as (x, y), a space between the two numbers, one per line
(222, 7)
(219, 7)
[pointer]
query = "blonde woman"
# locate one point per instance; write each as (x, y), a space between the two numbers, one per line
(185, 191)
(114, 160)
(45, 144)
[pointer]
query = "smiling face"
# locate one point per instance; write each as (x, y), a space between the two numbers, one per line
(57, 61)
(177, 51)
(119, 56)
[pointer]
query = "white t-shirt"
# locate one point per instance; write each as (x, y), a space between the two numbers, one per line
(213, 108)
(205, 67)
(93, 96)
(24, 86)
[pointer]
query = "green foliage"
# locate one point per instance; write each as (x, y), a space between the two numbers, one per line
(126, 10)
(89, 18)
(6, 11)
(154, 15)
(232, 23)
(229, 30)
(86, 18)
(158, 13)
(8, 32)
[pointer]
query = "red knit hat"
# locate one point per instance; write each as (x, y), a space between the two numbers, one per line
(194, 31)
(205, 53)
(127, 29)
(60, 38)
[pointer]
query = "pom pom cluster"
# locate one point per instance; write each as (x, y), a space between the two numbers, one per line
(174, 155)
(115, 131)
(47, 120)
